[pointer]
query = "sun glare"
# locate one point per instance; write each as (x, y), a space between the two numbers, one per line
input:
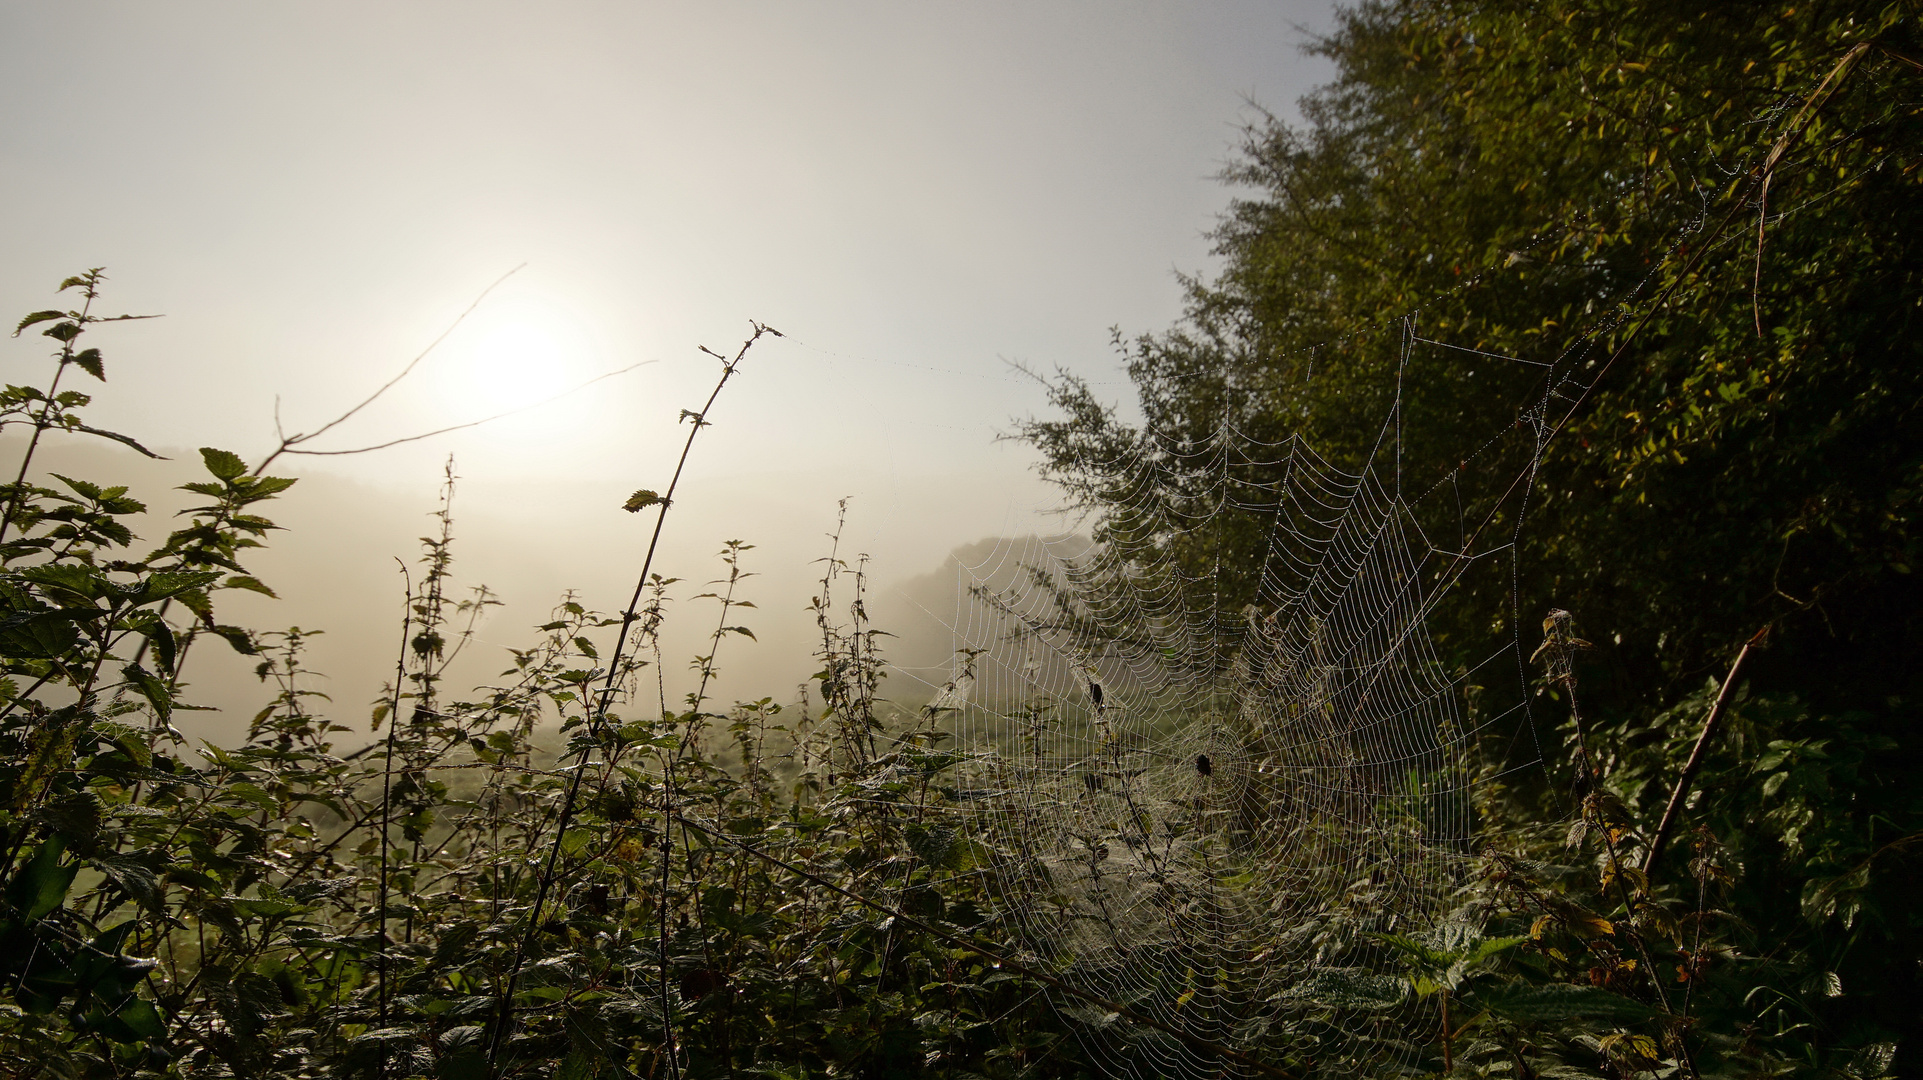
(517, 354)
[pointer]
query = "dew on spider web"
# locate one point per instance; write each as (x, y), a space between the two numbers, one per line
(1203, 809)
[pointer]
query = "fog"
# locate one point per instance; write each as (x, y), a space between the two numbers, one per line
(918, 197)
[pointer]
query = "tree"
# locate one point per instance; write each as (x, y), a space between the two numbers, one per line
(1706, 222)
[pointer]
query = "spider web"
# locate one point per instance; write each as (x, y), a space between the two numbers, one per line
(1213, 767)
(1204, 814)
(1214, 812)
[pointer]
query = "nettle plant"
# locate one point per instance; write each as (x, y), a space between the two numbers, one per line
(99, 809)
(561, 873)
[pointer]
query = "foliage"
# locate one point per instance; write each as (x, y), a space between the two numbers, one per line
(285, 909)
(564, 874)
(1662, 263)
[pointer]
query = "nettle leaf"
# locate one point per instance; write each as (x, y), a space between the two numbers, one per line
(38, 317)
(174, 583)
(41, 635)
(265, 487)
(251, 584)
(151, 688)
(41, 885)
(240, 639)
(1421, 953)
(89, 491)
(225, 465)
(76, 579)
(141, 1018)
(131, 874)
(166, 648)
(1352, 988)
(1559, 1001)
(197, 601)
(641, 500)
(88, 360)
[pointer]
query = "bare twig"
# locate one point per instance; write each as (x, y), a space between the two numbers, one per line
(1696, 755)
(471, 423)
(387, 778)
(287, 442)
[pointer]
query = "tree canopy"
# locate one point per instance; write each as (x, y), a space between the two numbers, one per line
(1661, 262)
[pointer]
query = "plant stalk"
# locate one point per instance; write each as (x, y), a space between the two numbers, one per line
(1698, 753)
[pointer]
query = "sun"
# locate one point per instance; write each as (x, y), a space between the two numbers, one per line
(514, 355)
(515, 364)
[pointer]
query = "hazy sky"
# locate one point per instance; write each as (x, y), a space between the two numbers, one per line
(914, 193)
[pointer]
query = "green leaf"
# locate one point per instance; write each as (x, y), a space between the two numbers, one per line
(83, 581)
(1416, 950)
(251, 584)
(266, 487)
(166, 648)
(1560, 1001)
(641, 500)
(172, 583)
(223, 464)
(41, 885)
(40, 635)
(241, 640)
(1352, 988)
(37, 317)
(142, 1018)
(132, 875)
(152, 689)
(88, 360)
(1489, 947)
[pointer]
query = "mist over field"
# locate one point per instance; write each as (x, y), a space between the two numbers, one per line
(336, 565)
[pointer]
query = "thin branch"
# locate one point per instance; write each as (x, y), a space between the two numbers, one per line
(471, 423)
(1696, 755)
(289, 441)
(597, 711)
